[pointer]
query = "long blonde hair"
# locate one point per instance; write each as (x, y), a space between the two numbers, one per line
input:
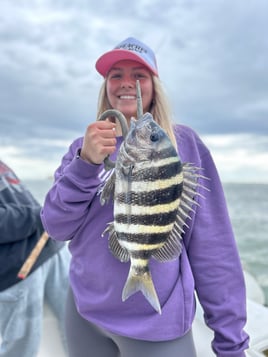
(160, 107)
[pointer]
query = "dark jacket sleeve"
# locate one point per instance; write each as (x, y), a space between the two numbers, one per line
(18, 222)
(20, 228)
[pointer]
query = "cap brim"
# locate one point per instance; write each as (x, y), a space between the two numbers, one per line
(108, 59)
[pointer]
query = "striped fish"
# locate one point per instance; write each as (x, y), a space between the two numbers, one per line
(153, 194)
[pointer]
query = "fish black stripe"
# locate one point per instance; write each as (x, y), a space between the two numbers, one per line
(162, 172)
(158, 219)
(169, 151)
(141, 269)
(154, 238)
(151, 198)
(142, 254)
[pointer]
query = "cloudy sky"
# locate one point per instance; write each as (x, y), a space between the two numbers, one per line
(212, 58)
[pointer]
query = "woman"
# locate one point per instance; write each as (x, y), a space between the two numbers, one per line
(97, 319)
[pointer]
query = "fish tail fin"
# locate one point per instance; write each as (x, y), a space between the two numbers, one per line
(144, 283)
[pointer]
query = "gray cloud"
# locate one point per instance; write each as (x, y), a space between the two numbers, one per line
(212, 59)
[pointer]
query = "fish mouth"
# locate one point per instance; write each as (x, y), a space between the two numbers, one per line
(138, 124)
(144, 120)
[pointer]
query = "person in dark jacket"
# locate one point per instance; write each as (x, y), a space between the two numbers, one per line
(21, 300)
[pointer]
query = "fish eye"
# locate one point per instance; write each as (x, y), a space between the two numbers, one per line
(154, 137)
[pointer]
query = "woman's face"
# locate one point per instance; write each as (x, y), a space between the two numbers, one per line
(121, 87)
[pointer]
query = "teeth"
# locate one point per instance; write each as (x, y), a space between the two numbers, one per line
(127, 97)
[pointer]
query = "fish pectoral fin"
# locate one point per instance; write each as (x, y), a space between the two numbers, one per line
(144, 283)
(108, 189)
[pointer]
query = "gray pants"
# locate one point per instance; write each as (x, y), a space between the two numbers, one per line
(85, 339)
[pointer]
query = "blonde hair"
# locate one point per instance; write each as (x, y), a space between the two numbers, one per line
(160, 108)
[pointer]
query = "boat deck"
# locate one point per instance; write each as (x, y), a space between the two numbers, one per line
(256, 328)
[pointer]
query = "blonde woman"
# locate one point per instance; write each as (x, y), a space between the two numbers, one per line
(98, 322)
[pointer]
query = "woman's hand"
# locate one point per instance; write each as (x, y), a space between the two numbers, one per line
(99, 141)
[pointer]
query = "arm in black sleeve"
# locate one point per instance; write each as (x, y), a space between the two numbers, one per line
(18, 221)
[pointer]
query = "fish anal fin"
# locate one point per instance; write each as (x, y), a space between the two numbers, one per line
(118, 251)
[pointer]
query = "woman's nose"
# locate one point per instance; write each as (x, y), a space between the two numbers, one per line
(127, 83)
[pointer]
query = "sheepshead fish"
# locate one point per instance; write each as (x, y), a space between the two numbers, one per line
(153, 194)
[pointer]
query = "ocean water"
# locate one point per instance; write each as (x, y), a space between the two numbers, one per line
(248, 209)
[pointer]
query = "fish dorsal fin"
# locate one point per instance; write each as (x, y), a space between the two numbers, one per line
(170, 250)
(172, 247)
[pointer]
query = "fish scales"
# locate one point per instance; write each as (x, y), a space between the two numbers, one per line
(161, 219)
(151, 204)
(142, 198)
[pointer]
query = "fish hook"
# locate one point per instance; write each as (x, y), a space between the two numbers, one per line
(109, 164)
(139, 100)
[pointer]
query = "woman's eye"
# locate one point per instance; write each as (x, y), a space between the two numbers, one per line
(116, 75)
(139, 75)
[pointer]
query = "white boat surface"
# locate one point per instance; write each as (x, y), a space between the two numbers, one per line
(256, 327)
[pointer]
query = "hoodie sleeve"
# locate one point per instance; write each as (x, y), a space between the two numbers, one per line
(213, 253)
(217, 270)
(68, 201)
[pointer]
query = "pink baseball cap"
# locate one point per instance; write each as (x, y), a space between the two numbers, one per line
(129, 49)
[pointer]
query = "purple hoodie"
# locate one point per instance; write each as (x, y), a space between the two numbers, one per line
(209, 262)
